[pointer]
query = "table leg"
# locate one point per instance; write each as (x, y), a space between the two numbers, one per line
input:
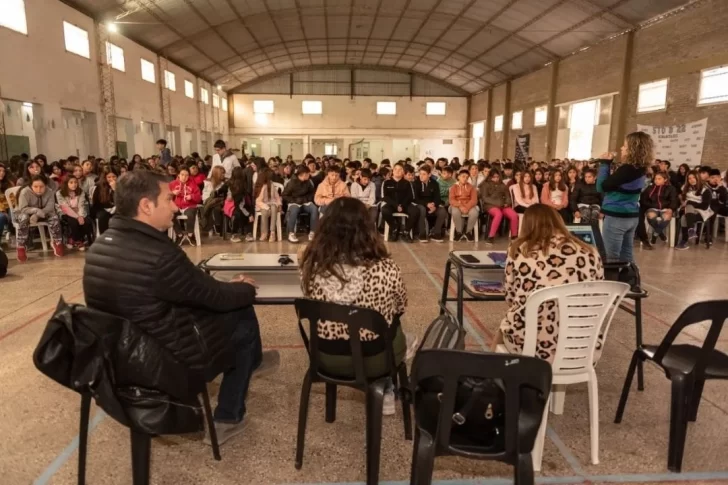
(460, 296)
(638, 338)
(445, 285)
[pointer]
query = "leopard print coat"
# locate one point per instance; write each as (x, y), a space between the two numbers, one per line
(379, 287)
(568, 264)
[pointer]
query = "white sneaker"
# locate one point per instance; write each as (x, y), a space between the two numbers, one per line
(225, 431)
(235, 239)
(310, 236)
(388, 407)
(292, 238)
(249, 238)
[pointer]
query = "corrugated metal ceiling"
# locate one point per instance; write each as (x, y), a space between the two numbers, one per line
(469, 45)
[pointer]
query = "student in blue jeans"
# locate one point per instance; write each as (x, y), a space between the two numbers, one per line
(622, 188)
(298, 194)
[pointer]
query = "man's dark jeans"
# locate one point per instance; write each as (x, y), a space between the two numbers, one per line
(236, 380)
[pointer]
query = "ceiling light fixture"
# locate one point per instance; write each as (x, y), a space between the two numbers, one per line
(112, 27)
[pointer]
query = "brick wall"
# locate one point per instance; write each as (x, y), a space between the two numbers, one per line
(499, 108)
(678, 49)
(479, 107)
(527, 93)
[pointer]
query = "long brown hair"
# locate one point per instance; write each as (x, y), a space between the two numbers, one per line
(540, 225)
(106, 194)
(552, 182)
(639, 149)
(265, 179)
(530, 185)
(346, 236)
(217, 176)
(698, 183)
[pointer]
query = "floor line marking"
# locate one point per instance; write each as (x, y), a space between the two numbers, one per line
(37, 317)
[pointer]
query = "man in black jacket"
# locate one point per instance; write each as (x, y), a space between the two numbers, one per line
(586, 200)
(398, 197)
(299, 193)
(427, 198)
(136, 272)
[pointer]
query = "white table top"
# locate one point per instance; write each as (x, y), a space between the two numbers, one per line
(272, 286)
(486, 262)
(250, 262)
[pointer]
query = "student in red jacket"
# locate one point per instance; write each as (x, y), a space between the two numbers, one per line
(187, 197)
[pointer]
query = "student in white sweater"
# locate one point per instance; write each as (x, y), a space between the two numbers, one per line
(365, 191)
(524, 193)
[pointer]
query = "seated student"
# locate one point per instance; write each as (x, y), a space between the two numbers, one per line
(544, 255)
(463, 199)
(267, 203)
(496, 200)
(299, 194)
(672, 176)
(5, 183)
(36, 203)
(718, 195)
(365, 191)
(187, 198)
(524, 193)
(347, 263)
(538, 181)
(427, 198)
(243, 214)
(555, 194)
(385, 173)
(445, 181)
(507, 172)
(572, 178)
(704, 173)
(75, 213)
(586, 200)
(330, 189)
(317, 176)
(32, 168)
(476, 177)
(197, 177)
(102, 201)
(409, 173)
(696, 199)
(659, 201)
(398, 196)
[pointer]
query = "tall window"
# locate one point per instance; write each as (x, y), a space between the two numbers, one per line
(713, 86)
(582, 118)
(541, 116)
(170, 81)
(12, 15)
(204, 95)
(478, 132)
(330, 148)
(148, 72)
(189, 89)
(312, 107)
(435, 108)
(215, 100)
(224, 103)
(76, 40)
(517, 120)
(386, 107)
(652, 96)
(498, 123)
(115, 57)
(263, 107)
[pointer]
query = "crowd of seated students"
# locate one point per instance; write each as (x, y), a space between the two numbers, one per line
(417, 201)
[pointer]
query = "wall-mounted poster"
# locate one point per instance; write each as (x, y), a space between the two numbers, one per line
(678, 143)
(523, 146)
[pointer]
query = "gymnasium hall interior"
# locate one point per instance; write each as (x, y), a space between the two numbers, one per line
(246, 102)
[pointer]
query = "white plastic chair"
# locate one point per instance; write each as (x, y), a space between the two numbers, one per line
(671, 231)
(513, 206)
(715, 228)
(183, 217)
(278, 187)
(42, 226)
(386, 226)
(476, 230)
(585, 312)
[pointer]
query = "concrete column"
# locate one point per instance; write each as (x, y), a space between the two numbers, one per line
(552, 120)
(506, 122)
(621, 125)
(488, 130)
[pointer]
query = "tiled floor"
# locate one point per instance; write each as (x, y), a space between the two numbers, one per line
(39, 419)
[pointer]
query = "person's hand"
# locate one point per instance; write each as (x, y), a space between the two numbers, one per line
(607, 156)
(81, 221)
(399, 208)
(241, 278)
(251, 219)
(577, 215)
(667, 215)
(188, 197)
(176, 192)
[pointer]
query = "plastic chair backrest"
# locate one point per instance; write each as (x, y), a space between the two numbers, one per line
(715, 311)
(513, 197)
(585, 311)
(355, 318)
(278, 186)
(10, 195)
(514, 372)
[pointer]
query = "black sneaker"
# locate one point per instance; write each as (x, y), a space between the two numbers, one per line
(646, 245)
(653, 240)
(662, 237)
(437, 238)
(490, 241)
(423, 239)
(193, 240)
(458, 236)
(178, 238)
(406, 237)
(393, 235)
(470, 236)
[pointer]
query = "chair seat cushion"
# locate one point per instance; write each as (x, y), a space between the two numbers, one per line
(682, 358)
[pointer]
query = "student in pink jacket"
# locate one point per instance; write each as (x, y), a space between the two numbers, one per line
(187, 197)
(330, 189)
(555, 194)
(524, 193)
(463, 199)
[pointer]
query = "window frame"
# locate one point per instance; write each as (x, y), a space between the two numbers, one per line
(24, 17)
(204, 95)
(191, 85)
(215, 100)
(543, 109)
(438, 103)
(110, 46)
(224, 103)
(259, 110)
(153, 70)
(386, 103)
(496, 128)
(320, 105)
(69, 27)
(652, 109)
(520, 120)
(169, 75)
(702, 103)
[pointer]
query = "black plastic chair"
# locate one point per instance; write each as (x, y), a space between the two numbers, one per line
(356, 318)
(526, 382)
(688, 367)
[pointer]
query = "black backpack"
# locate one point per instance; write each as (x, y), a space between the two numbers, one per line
(479, 404)
(3, 264)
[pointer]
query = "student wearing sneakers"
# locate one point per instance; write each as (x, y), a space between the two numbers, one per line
(445, 181)
(364, 190)
(427, 198)
(659, 201)
(718, 194)
(298, 194)
(586, 200)
(464, 201)
(696, 199)
(496, 200)
(398, 197)
(37, 203)
(187, 198)
(330, 189)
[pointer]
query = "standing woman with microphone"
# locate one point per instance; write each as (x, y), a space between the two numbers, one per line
(622, 188)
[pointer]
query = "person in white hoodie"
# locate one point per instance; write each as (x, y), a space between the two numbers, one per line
(364, 190)
(224, 157)
(37, 203)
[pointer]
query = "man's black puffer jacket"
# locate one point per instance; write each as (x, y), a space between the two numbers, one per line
(136, 272)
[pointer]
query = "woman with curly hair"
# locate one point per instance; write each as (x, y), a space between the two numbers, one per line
(622, 188)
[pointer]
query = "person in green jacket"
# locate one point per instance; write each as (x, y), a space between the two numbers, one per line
(445, 181)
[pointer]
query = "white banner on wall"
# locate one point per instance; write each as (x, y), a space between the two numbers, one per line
(678, 143)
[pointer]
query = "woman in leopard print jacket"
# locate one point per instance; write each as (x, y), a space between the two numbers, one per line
(544, 255)
(347, 263)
